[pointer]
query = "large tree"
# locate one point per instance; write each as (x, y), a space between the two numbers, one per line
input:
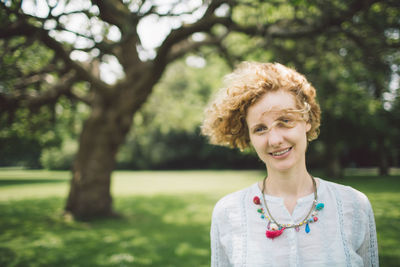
(108, 30)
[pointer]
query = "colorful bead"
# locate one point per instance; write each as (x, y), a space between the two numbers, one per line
(275, 229)
(314, 213)
(319, 206)
(273, 226)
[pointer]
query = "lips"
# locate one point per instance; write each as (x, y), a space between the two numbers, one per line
(281, 152)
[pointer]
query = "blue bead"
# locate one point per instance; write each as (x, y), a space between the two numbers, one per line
(307, 228)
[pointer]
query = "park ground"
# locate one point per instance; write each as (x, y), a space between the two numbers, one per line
(165, 217)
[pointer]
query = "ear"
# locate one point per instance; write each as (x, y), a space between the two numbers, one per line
(308, 127)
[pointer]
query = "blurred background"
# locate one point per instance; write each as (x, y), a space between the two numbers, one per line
(101, 104)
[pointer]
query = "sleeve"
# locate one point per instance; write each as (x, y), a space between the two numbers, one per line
(218, 255)
(369, 248)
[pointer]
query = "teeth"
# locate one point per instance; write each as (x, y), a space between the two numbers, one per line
(280, 152)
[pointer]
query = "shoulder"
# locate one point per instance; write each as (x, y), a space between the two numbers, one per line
(233, 202)
(347, 194)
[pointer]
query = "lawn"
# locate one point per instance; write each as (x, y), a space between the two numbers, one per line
(165, 222)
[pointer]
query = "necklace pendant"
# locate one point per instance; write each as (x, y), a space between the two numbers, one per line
(307, 228)
(274, 233)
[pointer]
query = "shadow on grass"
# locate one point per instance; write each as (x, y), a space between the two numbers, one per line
(6, 182)
(155, 231)
(161, 230)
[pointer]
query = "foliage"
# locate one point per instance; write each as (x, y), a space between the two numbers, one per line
(95, 53)
(55, 158)
(346, 64)
(27, 131)
(166, 133)
(166, 218)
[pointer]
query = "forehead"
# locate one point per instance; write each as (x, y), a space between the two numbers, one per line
(271, 103)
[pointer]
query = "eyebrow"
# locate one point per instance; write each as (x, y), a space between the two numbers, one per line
(282, 112)
(278, 113)
(257, 125)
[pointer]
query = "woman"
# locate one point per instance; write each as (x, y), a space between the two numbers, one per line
(290, 218)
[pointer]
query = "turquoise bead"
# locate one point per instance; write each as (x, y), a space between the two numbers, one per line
(319, 206)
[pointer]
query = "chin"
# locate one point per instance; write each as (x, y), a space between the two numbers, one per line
(284, 166)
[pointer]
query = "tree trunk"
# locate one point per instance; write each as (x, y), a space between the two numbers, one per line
(334, 167)
(104, 131)
(383, 160)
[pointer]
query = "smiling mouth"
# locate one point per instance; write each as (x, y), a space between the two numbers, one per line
(279, 153)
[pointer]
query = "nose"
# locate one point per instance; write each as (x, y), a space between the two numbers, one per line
(275, 137)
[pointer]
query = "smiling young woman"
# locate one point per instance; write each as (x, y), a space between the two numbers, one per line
(289, 218)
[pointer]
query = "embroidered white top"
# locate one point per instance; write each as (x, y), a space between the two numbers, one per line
(344, 235)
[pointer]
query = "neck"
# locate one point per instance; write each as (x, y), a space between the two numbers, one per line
(292, 183)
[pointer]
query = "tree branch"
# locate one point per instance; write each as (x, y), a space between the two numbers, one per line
(188, 45)
(202, 25)
(22, 28)
(299, 29)
(35, 99)
(114, 12)
(82, 98)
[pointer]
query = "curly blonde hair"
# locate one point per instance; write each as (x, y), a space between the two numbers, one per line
(225, 118)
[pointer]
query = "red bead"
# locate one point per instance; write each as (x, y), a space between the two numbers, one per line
(256, 200)
(315, 219)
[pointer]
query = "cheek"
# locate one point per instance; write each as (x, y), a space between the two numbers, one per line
(258, 143)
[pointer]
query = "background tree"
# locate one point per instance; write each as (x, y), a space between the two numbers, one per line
(355, 69)
(101, 32)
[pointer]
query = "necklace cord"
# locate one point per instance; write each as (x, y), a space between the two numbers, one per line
(308, 214)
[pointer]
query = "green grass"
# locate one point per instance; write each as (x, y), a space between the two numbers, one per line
(166, 217)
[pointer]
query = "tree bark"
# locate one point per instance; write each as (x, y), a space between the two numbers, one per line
(383, 160)
(334, 167)
(102, 134)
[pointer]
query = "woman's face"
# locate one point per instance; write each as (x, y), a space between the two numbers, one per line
(278, 136)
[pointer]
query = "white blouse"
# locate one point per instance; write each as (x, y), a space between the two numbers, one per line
(344, 234)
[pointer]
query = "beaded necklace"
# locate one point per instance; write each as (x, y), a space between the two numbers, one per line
(275, 229)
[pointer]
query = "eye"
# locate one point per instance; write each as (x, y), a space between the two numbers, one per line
(259, 129)
(286, 122)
